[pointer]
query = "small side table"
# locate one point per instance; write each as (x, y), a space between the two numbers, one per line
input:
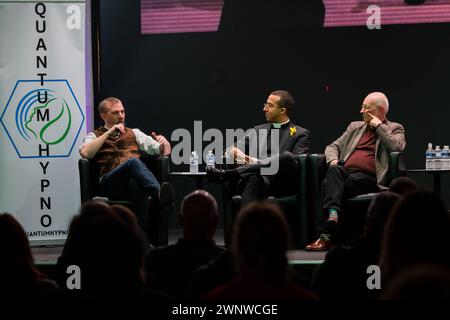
(436, 178)
(198, 176)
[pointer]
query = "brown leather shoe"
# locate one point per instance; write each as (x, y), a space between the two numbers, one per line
(322, 244)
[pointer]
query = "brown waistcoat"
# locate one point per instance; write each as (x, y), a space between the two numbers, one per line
(116, 151)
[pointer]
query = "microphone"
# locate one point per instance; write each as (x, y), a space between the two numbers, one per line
(116, 134)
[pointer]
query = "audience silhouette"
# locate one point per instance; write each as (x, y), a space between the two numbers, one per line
(19, 278)
(343, 274)
(417, 232)
(403, 185)
(170, 268)
(108, 246)
(109, 253)
(129, 218)
(422, 282)
(260, 242)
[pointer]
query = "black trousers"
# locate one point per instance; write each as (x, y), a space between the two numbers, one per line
(254, 186)
(340, 184)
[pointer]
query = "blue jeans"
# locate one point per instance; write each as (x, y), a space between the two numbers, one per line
(133, 181)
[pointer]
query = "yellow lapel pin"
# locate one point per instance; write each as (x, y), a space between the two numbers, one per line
(293, 130)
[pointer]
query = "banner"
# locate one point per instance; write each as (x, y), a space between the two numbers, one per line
(42, 113)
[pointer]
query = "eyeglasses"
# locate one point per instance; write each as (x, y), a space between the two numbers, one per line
(271, 105)
(367, 107)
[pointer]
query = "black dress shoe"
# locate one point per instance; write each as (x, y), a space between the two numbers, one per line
(215, 175)
(219, 175)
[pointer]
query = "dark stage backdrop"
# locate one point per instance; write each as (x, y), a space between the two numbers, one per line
(168, 81)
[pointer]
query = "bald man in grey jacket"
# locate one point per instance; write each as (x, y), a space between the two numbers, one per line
(358, 161)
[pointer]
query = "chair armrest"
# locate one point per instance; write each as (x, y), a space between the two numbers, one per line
(317, 169)
(365, 197)
(164, 168)
(397, 166)
(159, 165)
(316, 172)
(302, 191)
(85, 179)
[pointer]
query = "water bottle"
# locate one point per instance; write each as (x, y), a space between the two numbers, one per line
(210, 160)
(429, 157)
(438, 158)
(446, 158)
(193, 168)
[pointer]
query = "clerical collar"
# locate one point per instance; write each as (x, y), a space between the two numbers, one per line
(279, 125)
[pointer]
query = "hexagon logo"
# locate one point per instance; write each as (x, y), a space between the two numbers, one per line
(42, 121)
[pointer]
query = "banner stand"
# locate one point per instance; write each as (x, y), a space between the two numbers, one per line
(45, 102)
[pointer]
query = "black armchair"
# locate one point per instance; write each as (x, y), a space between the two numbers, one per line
(294, 206)
(89, 187)
(350, 228)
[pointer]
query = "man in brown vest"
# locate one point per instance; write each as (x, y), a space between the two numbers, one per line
(115, 148)
(358, 162)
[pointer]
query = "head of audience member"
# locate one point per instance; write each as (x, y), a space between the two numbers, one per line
(106, 249)
(199, 216)
(261, 239)
(377, 104)
(279, 106)
(417, 232)
(129, 218)
(422, 282)
(403, 185)
(126, 215)
(18, 275)
(378, 213)
(111, 111)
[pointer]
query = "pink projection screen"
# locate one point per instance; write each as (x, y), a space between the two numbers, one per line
(175, 16)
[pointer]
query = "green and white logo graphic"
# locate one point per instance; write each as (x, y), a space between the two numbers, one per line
(42, 121)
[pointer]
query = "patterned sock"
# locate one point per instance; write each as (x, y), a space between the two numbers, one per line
(333, 215)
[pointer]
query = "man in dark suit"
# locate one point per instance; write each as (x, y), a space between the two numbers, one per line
(267, 153)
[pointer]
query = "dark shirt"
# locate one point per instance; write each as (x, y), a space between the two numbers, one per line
(249, 285)
(343, 274)
(170, 268)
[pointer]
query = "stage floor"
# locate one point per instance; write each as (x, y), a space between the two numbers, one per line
(48, 255)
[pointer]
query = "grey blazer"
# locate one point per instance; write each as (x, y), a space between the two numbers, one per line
(391, 137)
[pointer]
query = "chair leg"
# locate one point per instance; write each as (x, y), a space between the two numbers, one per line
(158, 227)
(163, 224)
